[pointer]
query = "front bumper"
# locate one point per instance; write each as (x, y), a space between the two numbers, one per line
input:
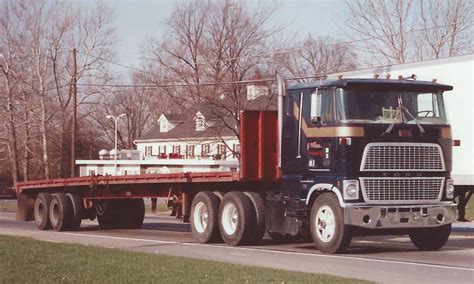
(385, 217)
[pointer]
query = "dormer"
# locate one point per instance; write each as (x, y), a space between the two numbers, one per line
(164, 123)
(200, 121)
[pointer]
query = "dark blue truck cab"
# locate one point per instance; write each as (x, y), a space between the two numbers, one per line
(364, 156)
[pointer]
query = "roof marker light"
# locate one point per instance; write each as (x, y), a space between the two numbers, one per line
(400, 77)
(456, 142)
(434, 80)
(387, 76)
(376, 76)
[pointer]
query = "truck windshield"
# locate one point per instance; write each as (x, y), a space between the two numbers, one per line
(363, 106)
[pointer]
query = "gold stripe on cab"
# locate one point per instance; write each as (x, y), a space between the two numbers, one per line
(339, 131)
(446, 132)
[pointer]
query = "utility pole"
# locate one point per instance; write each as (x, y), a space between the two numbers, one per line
(74, 113)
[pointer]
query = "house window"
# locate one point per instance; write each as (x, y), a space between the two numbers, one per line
(164, 125)
(176, 149)
(200, 122)
(162, 149)
(189, 151)
(235, 150)
(148, 151)
(221, 151)
(205, 149)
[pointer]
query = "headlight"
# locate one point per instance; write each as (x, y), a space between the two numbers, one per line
(350, 189)
(449, 188)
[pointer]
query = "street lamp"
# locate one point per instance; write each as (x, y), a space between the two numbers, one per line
(115, 119)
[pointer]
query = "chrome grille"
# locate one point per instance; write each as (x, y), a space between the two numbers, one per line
(402, 157)
(402, 190)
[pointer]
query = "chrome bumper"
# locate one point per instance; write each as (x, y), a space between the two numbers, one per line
(380, 217)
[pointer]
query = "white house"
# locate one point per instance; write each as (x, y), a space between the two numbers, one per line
(201, 141)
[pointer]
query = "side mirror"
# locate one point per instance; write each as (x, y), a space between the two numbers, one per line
(316, 120)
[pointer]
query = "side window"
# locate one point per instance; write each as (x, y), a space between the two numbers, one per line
(427, 105)
(322, 106)
(290, 101)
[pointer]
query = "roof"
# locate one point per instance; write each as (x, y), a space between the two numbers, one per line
(175, 116)
(186, 130)
(409, 85)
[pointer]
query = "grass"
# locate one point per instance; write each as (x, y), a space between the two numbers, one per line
(26, 260)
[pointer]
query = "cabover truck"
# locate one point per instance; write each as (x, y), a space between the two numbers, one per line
(456, 71)
(340, 158)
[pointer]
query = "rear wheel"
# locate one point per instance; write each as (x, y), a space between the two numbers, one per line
(108, 213)
(77, 211)
(431, 238)
(204, 219)
(60, 212)
(41, 211)
(134, 213)
(258, 229)
(236, 218)
(329, 233)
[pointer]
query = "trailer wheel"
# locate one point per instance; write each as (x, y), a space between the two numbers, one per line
(236, 218)
(41, 211)
(134, 213)
(77, 211)
(329, 233)
(60, 212)
(258, 229)
(204, 221)
(431, 238)
(108, 214)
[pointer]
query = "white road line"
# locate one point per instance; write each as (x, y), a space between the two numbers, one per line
(280, 252)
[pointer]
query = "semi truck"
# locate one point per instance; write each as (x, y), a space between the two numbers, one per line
(339, 158)
(457, 71)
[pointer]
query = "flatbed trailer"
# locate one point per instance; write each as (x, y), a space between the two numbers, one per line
(340, 158)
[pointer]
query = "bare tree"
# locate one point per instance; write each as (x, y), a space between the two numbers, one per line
(401, 30)
(211, 41)
(446, 28)
(318, 56)
(37, 38)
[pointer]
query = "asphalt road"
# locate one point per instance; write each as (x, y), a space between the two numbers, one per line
(385, 259)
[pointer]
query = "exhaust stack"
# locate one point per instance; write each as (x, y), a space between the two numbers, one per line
(281, 93)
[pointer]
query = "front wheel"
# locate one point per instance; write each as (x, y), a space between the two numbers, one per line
(431, 238)
(328, 231)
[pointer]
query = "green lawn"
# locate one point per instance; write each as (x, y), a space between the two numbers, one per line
(26, 260)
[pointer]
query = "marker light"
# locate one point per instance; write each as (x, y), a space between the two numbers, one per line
(456, 142)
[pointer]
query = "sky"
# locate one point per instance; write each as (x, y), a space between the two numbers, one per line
(138, 20)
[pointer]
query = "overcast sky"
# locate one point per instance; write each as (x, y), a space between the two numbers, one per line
(137, 20)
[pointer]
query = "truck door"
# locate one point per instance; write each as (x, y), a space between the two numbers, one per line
(316, 144)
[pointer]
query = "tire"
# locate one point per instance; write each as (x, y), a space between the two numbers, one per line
(108, 214)
(236, 218)
(60, 212)
(41, 211)
(134, 211)
(329, 233)
(258, 229)
(431, 238)
(77, 211)
(219, 194)
(204, 217)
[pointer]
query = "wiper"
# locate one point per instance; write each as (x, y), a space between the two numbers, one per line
(389, 129)
(422, 130)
